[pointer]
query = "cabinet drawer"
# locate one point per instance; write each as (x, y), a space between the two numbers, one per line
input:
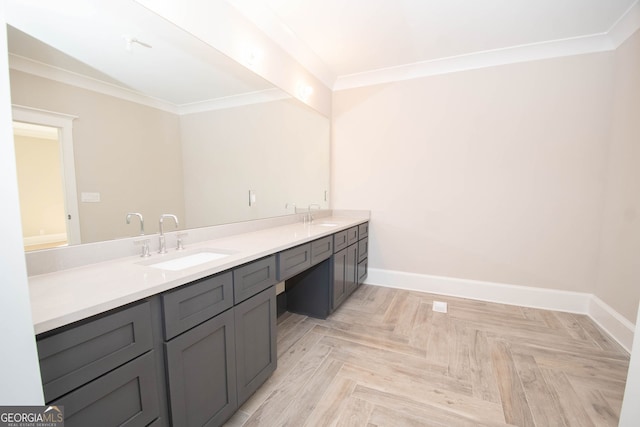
(363, 248)
(363, 269)
(293, 261)
(126, 396)
(352, 235)
(196, 302)
(363, 230)
(321, 249)
(340, 241)
(253, 278)
(75, 356)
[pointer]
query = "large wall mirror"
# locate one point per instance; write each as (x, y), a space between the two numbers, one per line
(118, 111)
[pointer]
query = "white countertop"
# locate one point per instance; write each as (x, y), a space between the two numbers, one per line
(66, 296)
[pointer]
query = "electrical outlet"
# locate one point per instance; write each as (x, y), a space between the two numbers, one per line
(440, 307)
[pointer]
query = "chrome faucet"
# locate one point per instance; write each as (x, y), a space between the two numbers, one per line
(163, 243)
(309, 217)
(139, 215)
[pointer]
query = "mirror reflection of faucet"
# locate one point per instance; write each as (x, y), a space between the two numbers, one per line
(144, 242)
(145, 247)
(163, 243)
(308, 218)
(179, 241)
(139, 215)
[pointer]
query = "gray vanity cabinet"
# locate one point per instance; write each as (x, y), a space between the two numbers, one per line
(191, 355)
(201, 373)
(255, 329)
(200, 351)
(216, 365)
(255, 315)
(344, 274)
(350, 263)
(103, 370)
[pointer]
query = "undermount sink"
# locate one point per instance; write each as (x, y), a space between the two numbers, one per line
(326, 224)
(177, 263)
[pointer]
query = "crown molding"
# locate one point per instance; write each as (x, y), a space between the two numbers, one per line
(626, 26)
(622, 29)
(476, 60)
(46, 71)
(267, 95)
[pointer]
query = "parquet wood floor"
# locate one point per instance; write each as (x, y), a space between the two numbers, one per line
(385, 358)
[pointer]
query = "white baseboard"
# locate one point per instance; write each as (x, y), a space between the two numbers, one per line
(614, 323)
(45, 238)
(607, 318)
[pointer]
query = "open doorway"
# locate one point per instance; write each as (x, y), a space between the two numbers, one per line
(40, 185)
(46, 178)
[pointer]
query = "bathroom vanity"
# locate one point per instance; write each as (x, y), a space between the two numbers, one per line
(135, 342)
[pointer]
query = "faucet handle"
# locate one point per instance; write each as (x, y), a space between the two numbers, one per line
(180, 243)
(145, 247)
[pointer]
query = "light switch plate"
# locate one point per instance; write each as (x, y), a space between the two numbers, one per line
(90, 197)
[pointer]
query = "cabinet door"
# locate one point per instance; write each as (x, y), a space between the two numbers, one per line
(126, 396)
(339, 278)
(201, 373)
(351, 282)
(256, 356)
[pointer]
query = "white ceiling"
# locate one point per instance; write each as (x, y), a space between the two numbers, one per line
(339, 38)
(88, 38)
(345, 43)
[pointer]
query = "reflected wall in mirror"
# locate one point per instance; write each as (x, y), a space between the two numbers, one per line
(175, 128)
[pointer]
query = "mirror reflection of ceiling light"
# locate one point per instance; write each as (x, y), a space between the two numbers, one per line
(254, 56)
(130, 41)
(304, 92)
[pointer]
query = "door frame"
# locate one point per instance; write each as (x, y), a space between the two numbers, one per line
(64, 123)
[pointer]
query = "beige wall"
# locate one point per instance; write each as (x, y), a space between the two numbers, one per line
(40, 186)
(495, 174)
(127, 152)
(618, 279)
(277, 149)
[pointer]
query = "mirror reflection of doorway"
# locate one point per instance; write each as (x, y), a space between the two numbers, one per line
(47, 178)
(40, 185)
